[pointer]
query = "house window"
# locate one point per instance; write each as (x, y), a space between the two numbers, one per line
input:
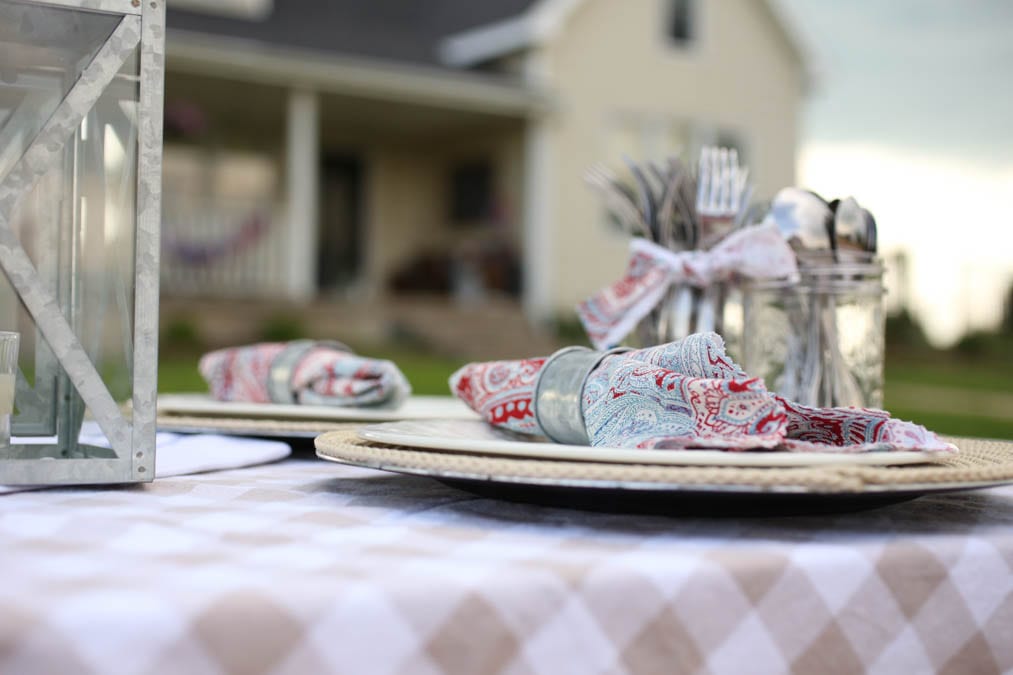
(645, 138)
(471, 193)
(681, 21)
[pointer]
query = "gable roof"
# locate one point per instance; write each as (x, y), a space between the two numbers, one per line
(544, 18)
(441, 33)
(398, 30)
(537, 24)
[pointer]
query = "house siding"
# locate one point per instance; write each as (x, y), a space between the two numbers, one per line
(614, 61)
(408, 198)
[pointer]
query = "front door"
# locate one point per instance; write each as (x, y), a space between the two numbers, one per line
(340, 228)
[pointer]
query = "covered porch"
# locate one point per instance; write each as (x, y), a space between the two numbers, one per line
(298, 177)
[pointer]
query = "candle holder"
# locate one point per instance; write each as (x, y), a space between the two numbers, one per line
(81, 86)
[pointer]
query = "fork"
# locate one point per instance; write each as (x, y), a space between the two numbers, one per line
(722, 190)
(620, 202)
(721, 186)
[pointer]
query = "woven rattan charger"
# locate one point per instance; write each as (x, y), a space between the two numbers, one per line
(980, 463)
(248, 426)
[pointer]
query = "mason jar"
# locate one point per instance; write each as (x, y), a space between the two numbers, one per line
(820, 341)
(687, 309)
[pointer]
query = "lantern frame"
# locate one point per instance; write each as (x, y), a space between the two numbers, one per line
(130, 431)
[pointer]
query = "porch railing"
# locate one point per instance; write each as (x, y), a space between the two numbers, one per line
(223, 249)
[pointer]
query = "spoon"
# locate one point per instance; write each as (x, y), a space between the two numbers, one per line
(850, 242)
(850, 232)
(871, 236)
(802, 217)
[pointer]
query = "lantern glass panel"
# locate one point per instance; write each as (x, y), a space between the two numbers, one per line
(43, 51)
(76, 225)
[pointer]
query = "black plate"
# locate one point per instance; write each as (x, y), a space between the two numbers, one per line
(688, 502)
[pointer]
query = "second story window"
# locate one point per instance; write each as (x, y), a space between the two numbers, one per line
(682, 21)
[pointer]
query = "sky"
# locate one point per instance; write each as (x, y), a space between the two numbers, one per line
(911, 111)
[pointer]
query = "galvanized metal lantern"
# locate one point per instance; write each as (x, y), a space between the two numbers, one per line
(80, 179)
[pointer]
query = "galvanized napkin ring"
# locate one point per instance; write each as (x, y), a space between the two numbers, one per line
(558, 402)
(279, 377)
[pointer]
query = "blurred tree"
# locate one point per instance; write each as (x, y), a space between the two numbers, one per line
(180, 335)
(991, 344)
(1006, 326)
(982, 344)
(282, 328)
(903, 330)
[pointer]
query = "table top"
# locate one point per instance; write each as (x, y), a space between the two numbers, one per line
(307, 566)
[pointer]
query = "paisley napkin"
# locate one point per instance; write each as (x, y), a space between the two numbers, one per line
(322, 373)
(758, 252)
(685, 394)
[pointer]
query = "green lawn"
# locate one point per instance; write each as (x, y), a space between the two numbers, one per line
(957, 425)
(990, 375)
(428, 375)
(177, 373)
(955, 375)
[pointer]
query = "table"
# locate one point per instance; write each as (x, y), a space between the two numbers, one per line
(310, 567)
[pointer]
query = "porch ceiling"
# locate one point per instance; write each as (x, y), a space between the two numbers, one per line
(248, 113)
(346, 119)
(253, 114)
(353, 77)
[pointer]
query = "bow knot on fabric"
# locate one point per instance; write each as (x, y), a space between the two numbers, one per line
(758, 252)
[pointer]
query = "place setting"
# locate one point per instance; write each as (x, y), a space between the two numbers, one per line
(298, 390)
(792, 286)
(666, 432)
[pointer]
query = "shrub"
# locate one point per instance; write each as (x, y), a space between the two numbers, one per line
(282, 329)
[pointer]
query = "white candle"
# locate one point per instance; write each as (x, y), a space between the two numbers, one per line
(6, 393)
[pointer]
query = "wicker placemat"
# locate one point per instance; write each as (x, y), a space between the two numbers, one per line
(252, 426)
(979, 462)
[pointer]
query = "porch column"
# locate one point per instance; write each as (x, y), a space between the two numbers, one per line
(538, 242)
(303, 185)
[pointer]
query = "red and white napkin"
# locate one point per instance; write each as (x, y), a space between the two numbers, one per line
(686, 394)
(323, 374)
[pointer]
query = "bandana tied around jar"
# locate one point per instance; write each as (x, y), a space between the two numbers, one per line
(758, 252)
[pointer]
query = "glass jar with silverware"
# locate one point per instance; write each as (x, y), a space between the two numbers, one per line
(819, 340)
(692, 243)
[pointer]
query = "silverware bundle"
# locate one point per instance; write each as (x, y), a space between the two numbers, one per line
(830, 323)
(835, 245)
(679, 209)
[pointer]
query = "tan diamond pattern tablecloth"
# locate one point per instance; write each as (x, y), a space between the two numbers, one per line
(311, 567)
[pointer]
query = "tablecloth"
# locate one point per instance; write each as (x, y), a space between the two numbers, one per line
(310, 567)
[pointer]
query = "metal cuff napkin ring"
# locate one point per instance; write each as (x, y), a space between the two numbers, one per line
(279, 377)
(559, 409)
